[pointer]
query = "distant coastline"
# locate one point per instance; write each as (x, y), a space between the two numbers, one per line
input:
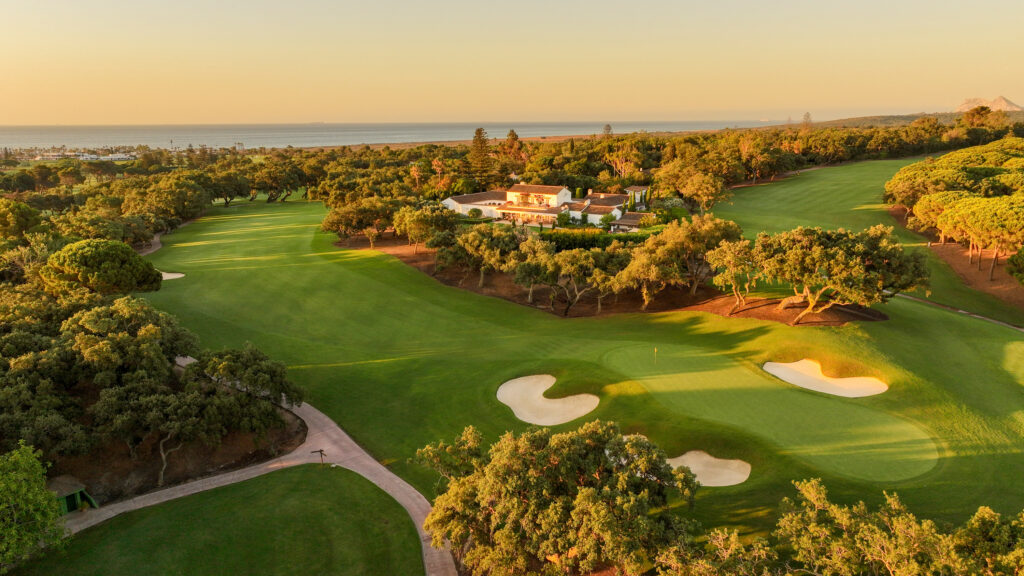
(322, 135)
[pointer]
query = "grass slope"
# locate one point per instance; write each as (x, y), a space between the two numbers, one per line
(400, 360)
(304, 520)
(851, 197)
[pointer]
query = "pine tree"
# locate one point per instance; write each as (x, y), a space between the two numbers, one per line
(481, 164)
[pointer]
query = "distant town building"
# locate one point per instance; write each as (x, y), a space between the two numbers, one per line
(118, 157)
(84, 157)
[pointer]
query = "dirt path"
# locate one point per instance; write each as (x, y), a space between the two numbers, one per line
(339, 448)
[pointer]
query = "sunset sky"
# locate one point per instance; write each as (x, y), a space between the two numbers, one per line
(183, 61)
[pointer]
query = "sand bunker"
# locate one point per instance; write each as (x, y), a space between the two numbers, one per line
(172, 275)
(525, 396)
(711, 471)
(807, 374)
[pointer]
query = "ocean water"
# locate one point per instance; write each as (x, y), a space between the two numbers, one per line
(307, 135)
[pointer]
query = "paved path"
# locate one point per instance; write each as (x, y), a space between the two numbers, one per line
(339, 448)
(154, 245)
(959, 311)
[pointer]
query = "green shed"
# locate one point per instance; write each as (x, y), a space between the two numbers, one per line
(70, 493)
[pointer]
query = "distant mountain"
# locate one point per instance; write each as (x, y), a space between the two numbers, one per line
(1000, 103)
(947, 118)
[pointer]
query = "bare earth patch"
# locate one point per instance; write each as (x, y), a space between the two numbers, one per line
(711, 471)
(807, 374)
(111, 473)
(525, 396)
(1002, 286)
(707, 299)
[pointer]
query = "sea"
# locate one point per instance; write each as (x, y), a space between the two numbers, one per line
(249, 136)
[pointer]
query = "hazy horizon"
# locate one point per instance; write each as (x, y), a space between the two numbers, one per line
(739, 117)
(116, 63)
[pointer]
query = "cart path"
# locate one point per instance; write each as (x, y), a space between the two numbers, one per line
(153, 246)
(322, 434)
(339, 448)
(959, 311)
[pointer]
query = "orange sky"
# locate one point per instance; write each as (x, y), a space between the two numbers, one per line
(156, 61)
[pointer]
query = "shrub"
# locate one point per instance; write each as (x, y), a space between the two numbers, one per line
(104, 266)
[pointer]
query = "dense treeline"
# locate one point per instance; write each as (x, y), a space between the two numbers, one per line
(159, 186)
(591, 499)
(689, 173)
(85, 367)
(974, 196)
(824, 268)
(82, 364)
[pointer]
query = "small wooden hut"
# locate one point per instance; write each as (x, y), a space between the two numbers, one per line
(70, 493)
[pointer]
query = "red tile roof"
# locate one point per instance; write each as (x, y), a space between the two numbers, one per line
(608, 199)
(630, 219)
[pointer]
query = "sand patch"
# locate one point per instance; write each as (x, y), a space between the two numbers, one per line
(807, 374)
(711, 471)
(525, 396)
(172, 275)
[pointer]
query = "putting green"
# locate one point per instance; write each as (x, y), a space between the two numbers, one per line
(831, 433)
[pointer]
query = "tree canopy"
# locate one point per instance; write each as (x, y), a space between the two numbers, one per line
(830, 267)
(30, 516)
(17, 218)
(571, 502)
(104, 266)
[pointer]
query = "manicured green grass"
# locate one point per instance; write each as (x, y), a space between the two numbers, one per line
(305, 520)
(851, 197)
(399, 360)
(848, 438)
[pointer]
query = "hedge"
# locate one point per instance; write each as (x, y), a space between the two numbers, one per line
(588, 238)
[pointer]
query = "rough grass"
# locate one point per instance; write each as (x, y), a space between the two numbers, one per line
(400, 360)
(304, 520)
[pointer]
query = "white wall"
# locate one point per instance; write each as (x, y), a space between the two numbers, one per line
(452, 205)
(487, 210)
